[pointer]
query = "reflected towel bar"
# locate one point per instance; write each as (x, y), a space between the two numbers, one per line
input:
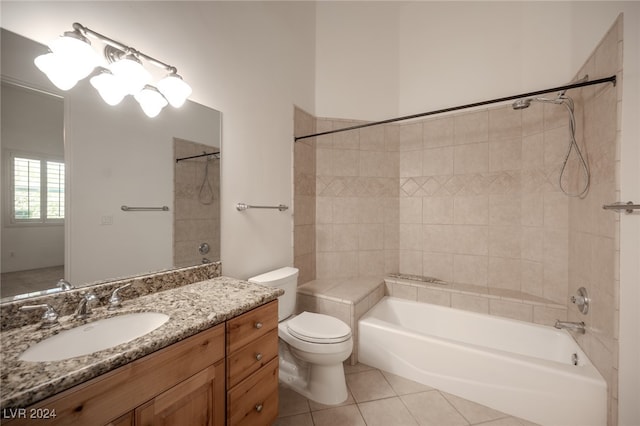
(242, 207)
(141, 209)
(628, 207)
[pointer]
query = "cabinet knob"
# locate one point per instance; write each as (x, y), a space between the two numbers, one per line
(258, 407)
(258, 325)
(258, 356)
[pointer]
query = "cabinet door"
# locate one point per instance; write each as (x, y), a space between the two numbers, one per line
(197, 401)
(126, 420)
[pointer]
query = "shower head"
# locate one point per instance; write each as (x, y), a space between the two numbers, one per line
(522, 103)
(559, 100)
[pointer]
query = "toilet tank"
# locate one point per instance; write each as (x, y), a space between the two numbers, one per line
(285, 278)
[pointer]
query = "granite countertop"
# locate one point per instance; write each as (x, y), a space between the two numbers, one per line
(192, 308)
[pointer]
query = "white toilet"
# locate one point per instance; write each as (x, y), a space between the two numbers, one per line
(312, 347)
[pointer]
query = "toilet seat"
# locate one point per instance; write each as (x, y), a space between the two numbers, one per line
(318, 328)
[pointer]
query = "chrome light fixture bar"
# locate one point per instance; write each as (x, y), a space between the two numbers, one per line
(71, 59)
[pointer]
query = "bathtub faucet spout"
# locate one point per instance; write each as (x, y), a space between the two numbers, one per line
(578, 327)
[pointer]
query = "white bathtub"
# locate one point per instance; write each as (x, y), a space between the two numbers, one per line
(519, 368)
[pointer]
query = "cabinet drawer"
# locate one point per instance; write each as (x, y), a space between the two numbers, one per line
(250, 358)
(254, 402)
(249, 326)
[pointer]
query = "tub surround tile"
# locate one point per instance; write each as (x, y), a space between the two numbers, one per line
(344, 298)
(192, 308)
(344, 290)
(470, 303)
(476, 298)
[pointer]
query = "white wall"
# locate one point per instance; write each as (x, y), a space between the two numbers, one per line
(357, 61)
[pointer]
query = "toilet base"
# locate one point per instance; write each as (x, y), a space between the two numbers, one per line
(324, 384)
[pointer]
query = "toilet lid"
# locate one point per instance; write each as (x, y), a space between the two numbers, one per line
(318, 328)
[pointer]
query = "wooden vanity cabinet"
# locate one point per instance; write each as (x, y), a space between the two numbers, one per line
(186, 383)
(252, 367)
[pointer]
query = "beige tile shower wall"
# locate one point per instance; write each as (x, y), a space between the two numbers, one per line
(594, 232)
(357, 201)
(304, 189)
(196, 205)
(480, 203)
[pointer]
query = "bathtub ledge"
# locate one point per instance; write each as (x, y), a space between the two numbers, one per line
(493, 301)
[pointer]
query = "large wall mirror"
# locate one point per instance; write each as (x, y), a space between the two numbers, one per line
(69, 164)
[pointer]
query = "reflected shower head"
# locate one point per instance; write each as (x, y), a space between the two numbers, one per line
(522, 103)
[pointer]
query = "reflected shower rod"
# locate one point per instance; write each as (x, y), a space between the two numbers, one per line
(611, 79)
(204, 154)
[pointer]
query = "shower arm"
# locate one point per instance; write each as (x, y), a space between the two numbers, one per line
(566, 87)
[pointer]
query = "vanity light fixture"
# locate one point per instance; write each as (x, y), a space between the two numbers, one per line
(71, 59)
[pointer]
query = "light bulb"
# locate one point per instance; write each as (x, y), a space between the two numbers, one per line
(56, 70)
(151, 101)
(130, 73)
(71, 59)
(174, 89)
(76, 51)
(108, 87)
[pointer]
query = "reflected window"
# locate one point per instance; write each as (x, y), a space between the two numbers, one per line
(37, 190)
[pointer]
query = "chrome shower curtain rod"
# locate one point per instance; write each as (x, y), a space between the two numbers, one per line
(611, 79)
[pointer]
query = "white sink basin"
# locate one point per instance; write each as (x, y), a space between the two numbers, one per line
(94, 337)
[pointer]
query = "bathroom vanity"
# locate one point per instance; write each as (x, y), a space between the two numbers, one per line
(213, 363)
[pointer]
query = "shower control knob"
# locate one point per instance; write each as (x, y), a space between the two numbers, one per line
(203, 248)
(578, 300)
(581, 300)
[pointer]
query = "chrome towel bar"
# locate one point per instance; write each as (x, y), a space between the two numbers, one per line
(141, 209)
(242, 207)
(628, 207)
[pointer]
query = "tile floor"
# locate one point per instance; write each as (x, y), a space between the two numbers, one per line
(378, 398)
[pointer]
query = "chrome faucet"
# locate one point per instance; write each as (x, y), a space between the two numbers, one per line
(84, 307)
(50, 316)
(64, 285)
(115, 301)
(578, 327)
